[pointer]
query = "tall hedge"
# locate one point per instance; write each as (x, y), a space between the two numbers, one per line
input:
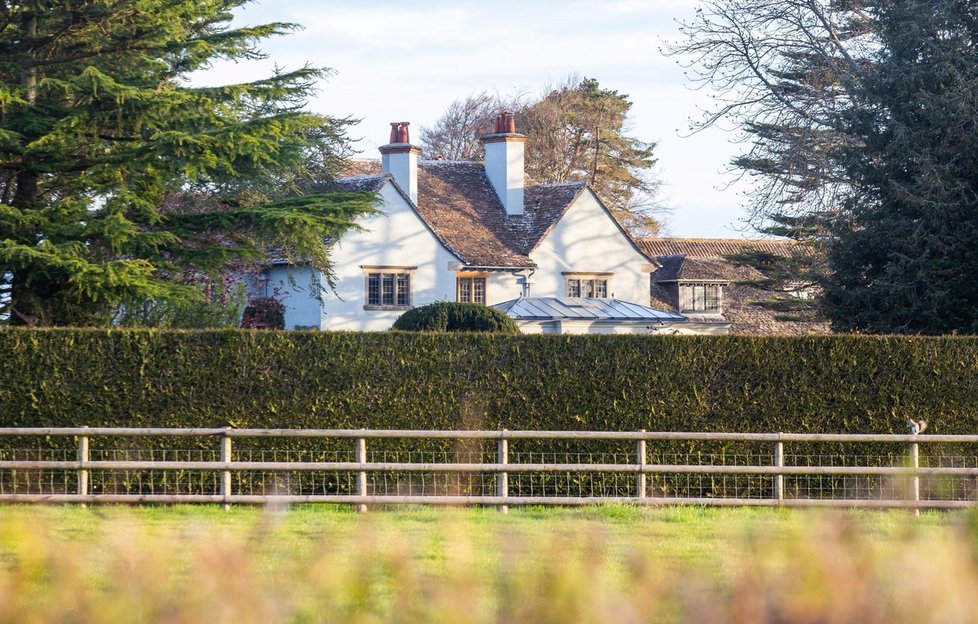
(240, 378)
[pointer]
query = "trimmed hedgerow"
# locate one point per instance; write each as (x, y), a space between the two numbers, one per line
(406, 380)
(238, 378)
(449, 316)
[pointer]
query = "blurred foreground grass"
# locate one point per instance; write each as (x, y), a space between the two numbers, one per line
(602, 564)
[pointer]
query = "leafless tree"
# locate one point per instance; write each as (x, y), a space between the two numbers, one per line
(780, 72)
(576, 130)
(455, 136)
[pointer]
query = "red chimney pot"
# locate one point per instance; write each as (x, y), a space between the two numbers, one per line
(510, 122)
(402, 133)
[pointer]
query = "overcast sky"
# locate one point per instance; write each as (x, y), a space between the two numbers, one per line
(406, 60)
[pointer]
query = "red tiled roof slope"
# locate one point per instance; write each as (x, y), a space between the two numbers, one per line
(459, 204)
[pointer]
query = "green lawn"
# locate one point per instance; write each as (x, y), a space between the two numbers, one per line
(602, 564)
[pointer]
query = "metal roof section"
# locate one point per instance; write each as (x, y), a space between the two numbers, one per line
(580, 308)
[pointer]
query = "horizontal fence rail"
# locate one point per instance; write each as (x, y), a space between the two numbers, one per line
(500, 468)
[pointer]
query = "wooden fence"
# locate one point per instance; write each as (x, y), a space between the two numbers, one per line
(56, 465)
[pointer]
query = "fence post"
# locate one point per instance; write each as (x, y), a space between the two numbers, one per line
(502, 478)
(226, 474)
(83, 457)
(915, 479)
(640, 482)
(779, 478)
(361, 458)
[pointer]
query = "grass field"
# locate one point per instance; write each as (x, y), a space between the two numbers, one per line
(603, 564)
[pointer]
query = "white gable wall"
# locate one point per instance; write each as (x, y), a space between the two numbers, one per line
(503, 286)
(396, 236)
(587, 240)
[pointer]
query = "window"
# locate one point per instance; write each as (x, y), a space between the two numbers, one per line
(471, 288)
(590, 285)
(699, 297)
(388, 288)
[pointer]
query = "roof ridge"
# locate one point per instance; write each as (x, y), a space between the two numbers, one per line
(568, 183)
(694, 239)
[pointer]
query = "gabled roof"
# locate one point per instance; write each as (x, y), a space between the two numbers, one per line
(372, 183)
(458, 203)
(584, 309)
(456, 198)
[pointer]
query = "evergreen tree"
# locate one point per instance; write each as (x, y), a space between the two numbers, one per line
(579, 132)
(100, 130)
(909, 261)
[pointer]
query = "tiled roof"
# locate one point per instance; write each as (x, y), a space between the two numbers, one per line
(712, 247)
(458, 203)
(369, 183)
(740, 307)
(680, 268)
(689, 259)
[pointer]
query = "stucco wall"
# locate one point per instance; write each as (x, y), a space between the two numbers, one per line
(502, 286)
(587, 240)
(394, 237)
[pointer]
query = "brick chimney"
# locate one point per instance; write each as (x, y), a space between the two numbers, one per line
(400, 159)
(504, 163)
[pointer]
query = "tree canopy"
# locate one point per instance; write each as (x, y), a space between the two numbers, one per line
(118, 179)
(576, 131)
(859, 121)
(908, 261)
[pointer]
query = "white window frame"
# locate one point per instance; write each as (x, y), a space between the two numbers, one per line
(689, 292)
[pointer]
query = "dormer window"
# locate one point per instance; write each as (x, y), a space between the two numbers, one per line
(703, 298)
(588, 285)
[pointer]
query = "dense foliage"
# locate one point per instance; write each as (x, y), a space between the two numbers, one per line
(859, 123)
(456, 317)
(264, 313)
(437, 380)
(908, 261)
(121, 183)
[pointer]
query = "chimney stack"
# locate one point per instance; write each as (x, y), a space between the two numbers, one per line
(504, 163)
(400, 159)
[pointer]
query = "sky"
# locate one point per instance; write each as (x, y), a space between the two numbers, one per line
(407, 60)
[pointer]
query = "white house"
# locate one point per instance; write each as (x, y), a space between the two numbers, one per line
(464, 231)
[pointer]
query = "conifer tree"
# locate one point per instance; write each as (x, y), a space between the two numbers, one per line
(103, 140)
(908, 261)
